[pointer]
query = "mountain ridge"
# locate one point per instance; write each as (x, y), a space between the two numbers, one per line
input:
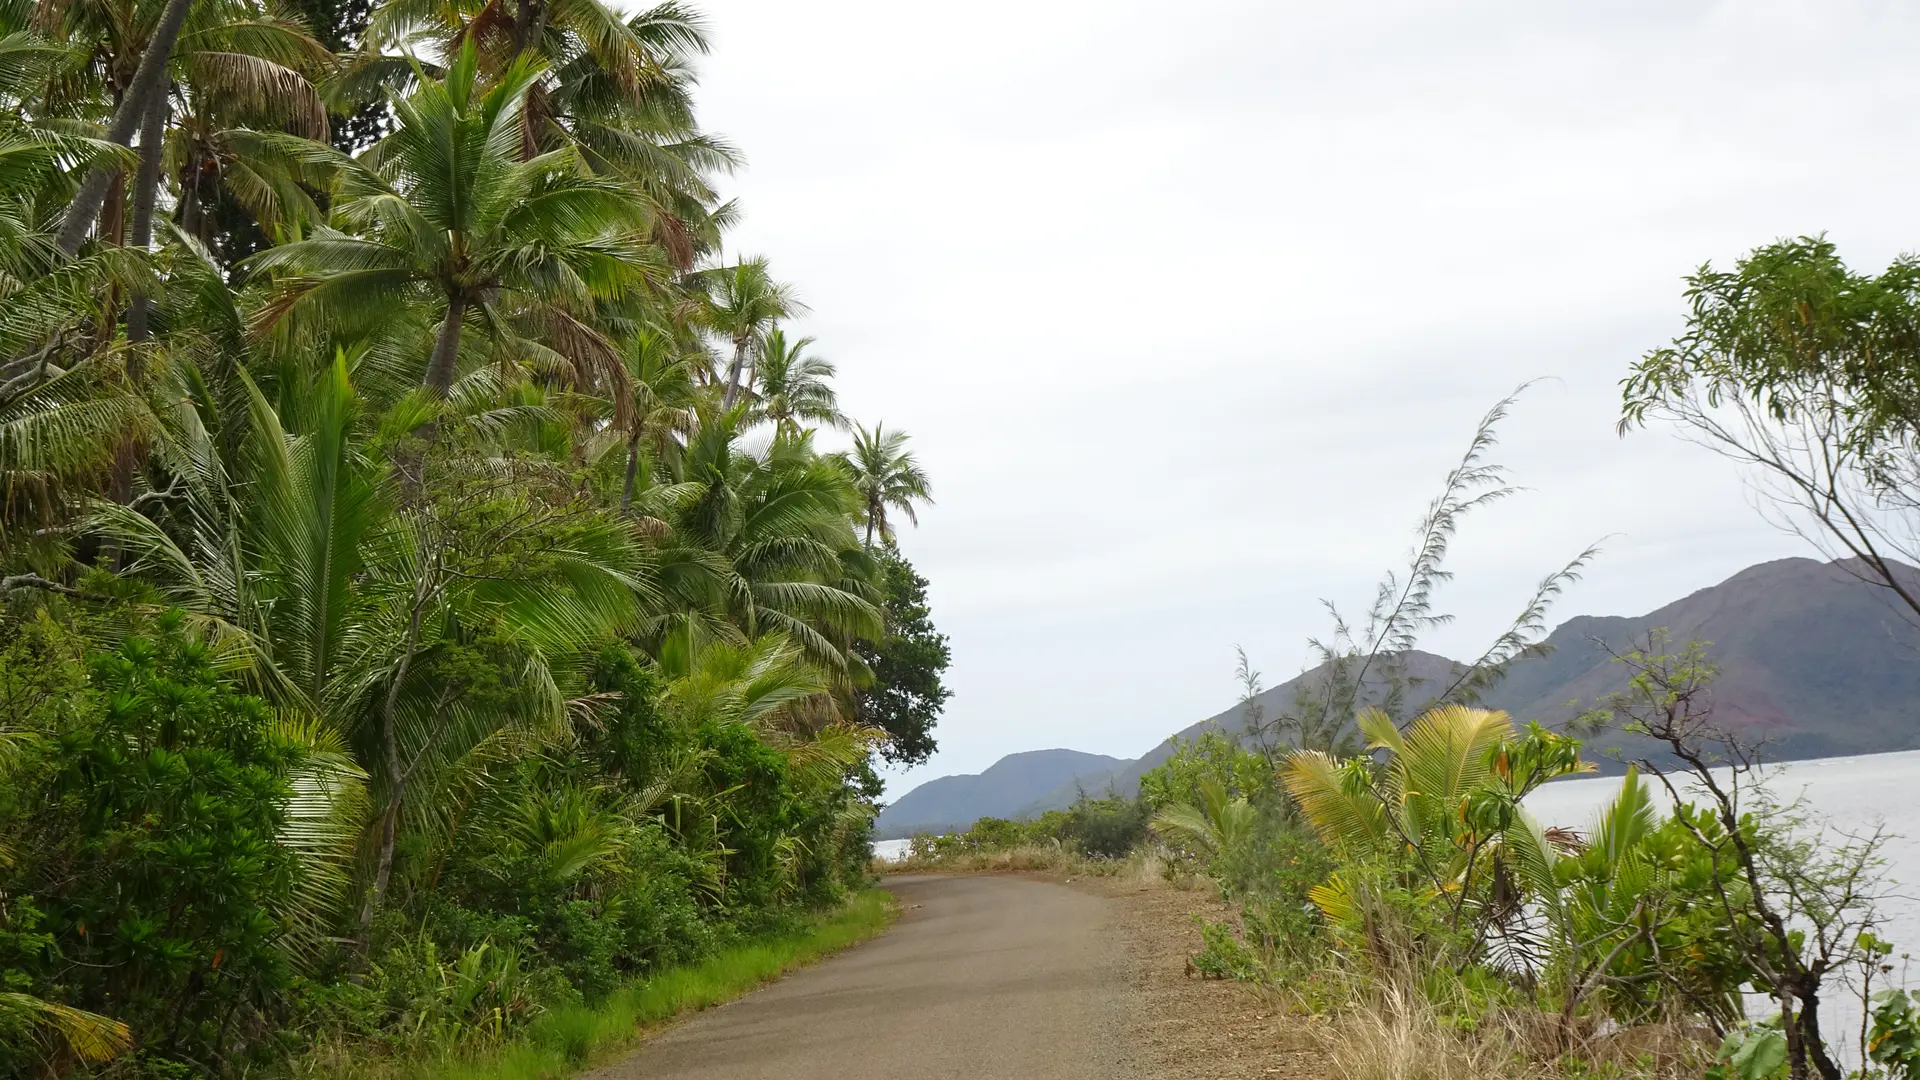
(1814, 660)
(998, 790)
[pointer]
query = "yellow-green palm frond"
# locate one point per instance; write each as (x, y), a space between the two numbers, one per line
(1445, 757)
(1355, 820)
(91, 1037)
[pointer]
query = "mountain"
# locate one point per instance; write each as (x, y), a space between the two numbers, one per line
(1001, 791)
(1812, 659)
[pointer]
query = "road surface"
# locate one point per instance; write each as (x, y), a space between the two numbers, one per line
(982, 978)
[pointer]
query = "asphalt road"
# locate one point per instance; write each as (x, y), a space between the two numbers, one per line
(982, 978)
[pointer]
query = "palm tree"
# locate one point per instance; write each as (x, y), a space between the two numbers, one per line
(452, 221)
(1220, 822)
(251, 70)
(238, 78)
(1445, 803)
(135, 105)
(741, 303)
(53, 307)
(660, 375)
(794, 386)
(887, 477)
(90, 1037)
(763, 542)
(295, 547)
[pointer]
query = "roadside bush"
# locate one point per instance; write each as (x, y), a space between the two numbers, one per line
(151, 798)
(1106, 828)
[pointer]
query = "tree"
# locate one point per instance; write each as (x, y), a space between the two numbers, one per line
(888, 478)
(764, 542)
(1807, 372)
(133, 108)
(660, 375)
(741, 303)
(907, 694)
(505, 661)
(349, 599)
(1797, 899)
(793, 386)
(450, 219)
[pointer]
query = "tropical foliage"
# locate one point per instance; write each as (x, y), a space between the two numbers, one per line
(428, 596)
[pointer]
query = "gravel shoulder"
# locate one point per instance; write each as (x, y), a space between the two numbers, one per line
(1187, 1027)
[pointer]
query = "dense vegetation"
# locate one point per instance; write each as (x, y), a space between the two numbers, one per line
(425, 600)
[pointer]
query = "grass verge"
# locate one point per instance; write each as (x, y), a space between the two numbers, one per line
(566, 1040)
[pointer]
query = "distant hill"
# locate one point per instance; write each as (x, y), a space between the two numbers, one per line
(1813, 660)
(1421, 669)
(1001, 791)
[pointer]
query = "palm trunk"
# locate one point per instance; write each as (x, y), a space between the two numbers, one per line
(633, 469)
(530, 26)
(113, 218)
(733, 373)
(383, 869)
(146, 189)
(396, 770)
(446, 349)
(133, 107)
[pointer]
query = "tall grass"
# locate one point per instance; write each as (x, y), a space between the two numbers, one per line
(565, 1040)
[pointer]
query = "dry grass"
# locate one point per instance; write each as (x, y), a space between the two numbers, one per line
(1050, 859)
(1396, 1034)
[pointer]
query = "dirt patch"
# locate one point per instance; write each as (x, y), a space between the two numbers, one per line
(1194, 1028)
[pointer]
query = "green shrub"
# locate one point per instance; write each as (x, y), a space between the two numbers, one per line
(152, 801)
(1107, 828)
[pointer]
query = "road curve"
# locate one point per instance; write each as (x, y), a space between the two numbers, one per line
(982, 978)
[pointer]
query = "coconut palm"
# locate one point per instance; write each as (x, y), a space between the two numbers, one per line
(741, 303)
(1445, 805)
(90, 1037)
(793, 386)
(888, 478)
(443, 215)
(763, 542)
(1219, 822)
(137, 92)
(236, 78)
(620, 92)
(660, 376)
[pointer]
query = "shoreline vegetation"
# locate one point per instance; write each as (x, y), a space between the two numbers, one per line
(573, 1038)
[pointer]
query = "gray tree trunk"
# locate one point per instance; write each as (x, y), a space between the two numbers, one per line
(733, 374)
(145, 191)
(446, 349)
(133, 107)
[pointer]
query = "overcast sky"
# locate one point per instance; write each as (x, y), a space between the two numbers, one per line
(1190, 307)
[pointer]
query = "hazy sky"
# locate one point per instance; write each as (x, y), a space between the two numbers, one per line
(1190, 307)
